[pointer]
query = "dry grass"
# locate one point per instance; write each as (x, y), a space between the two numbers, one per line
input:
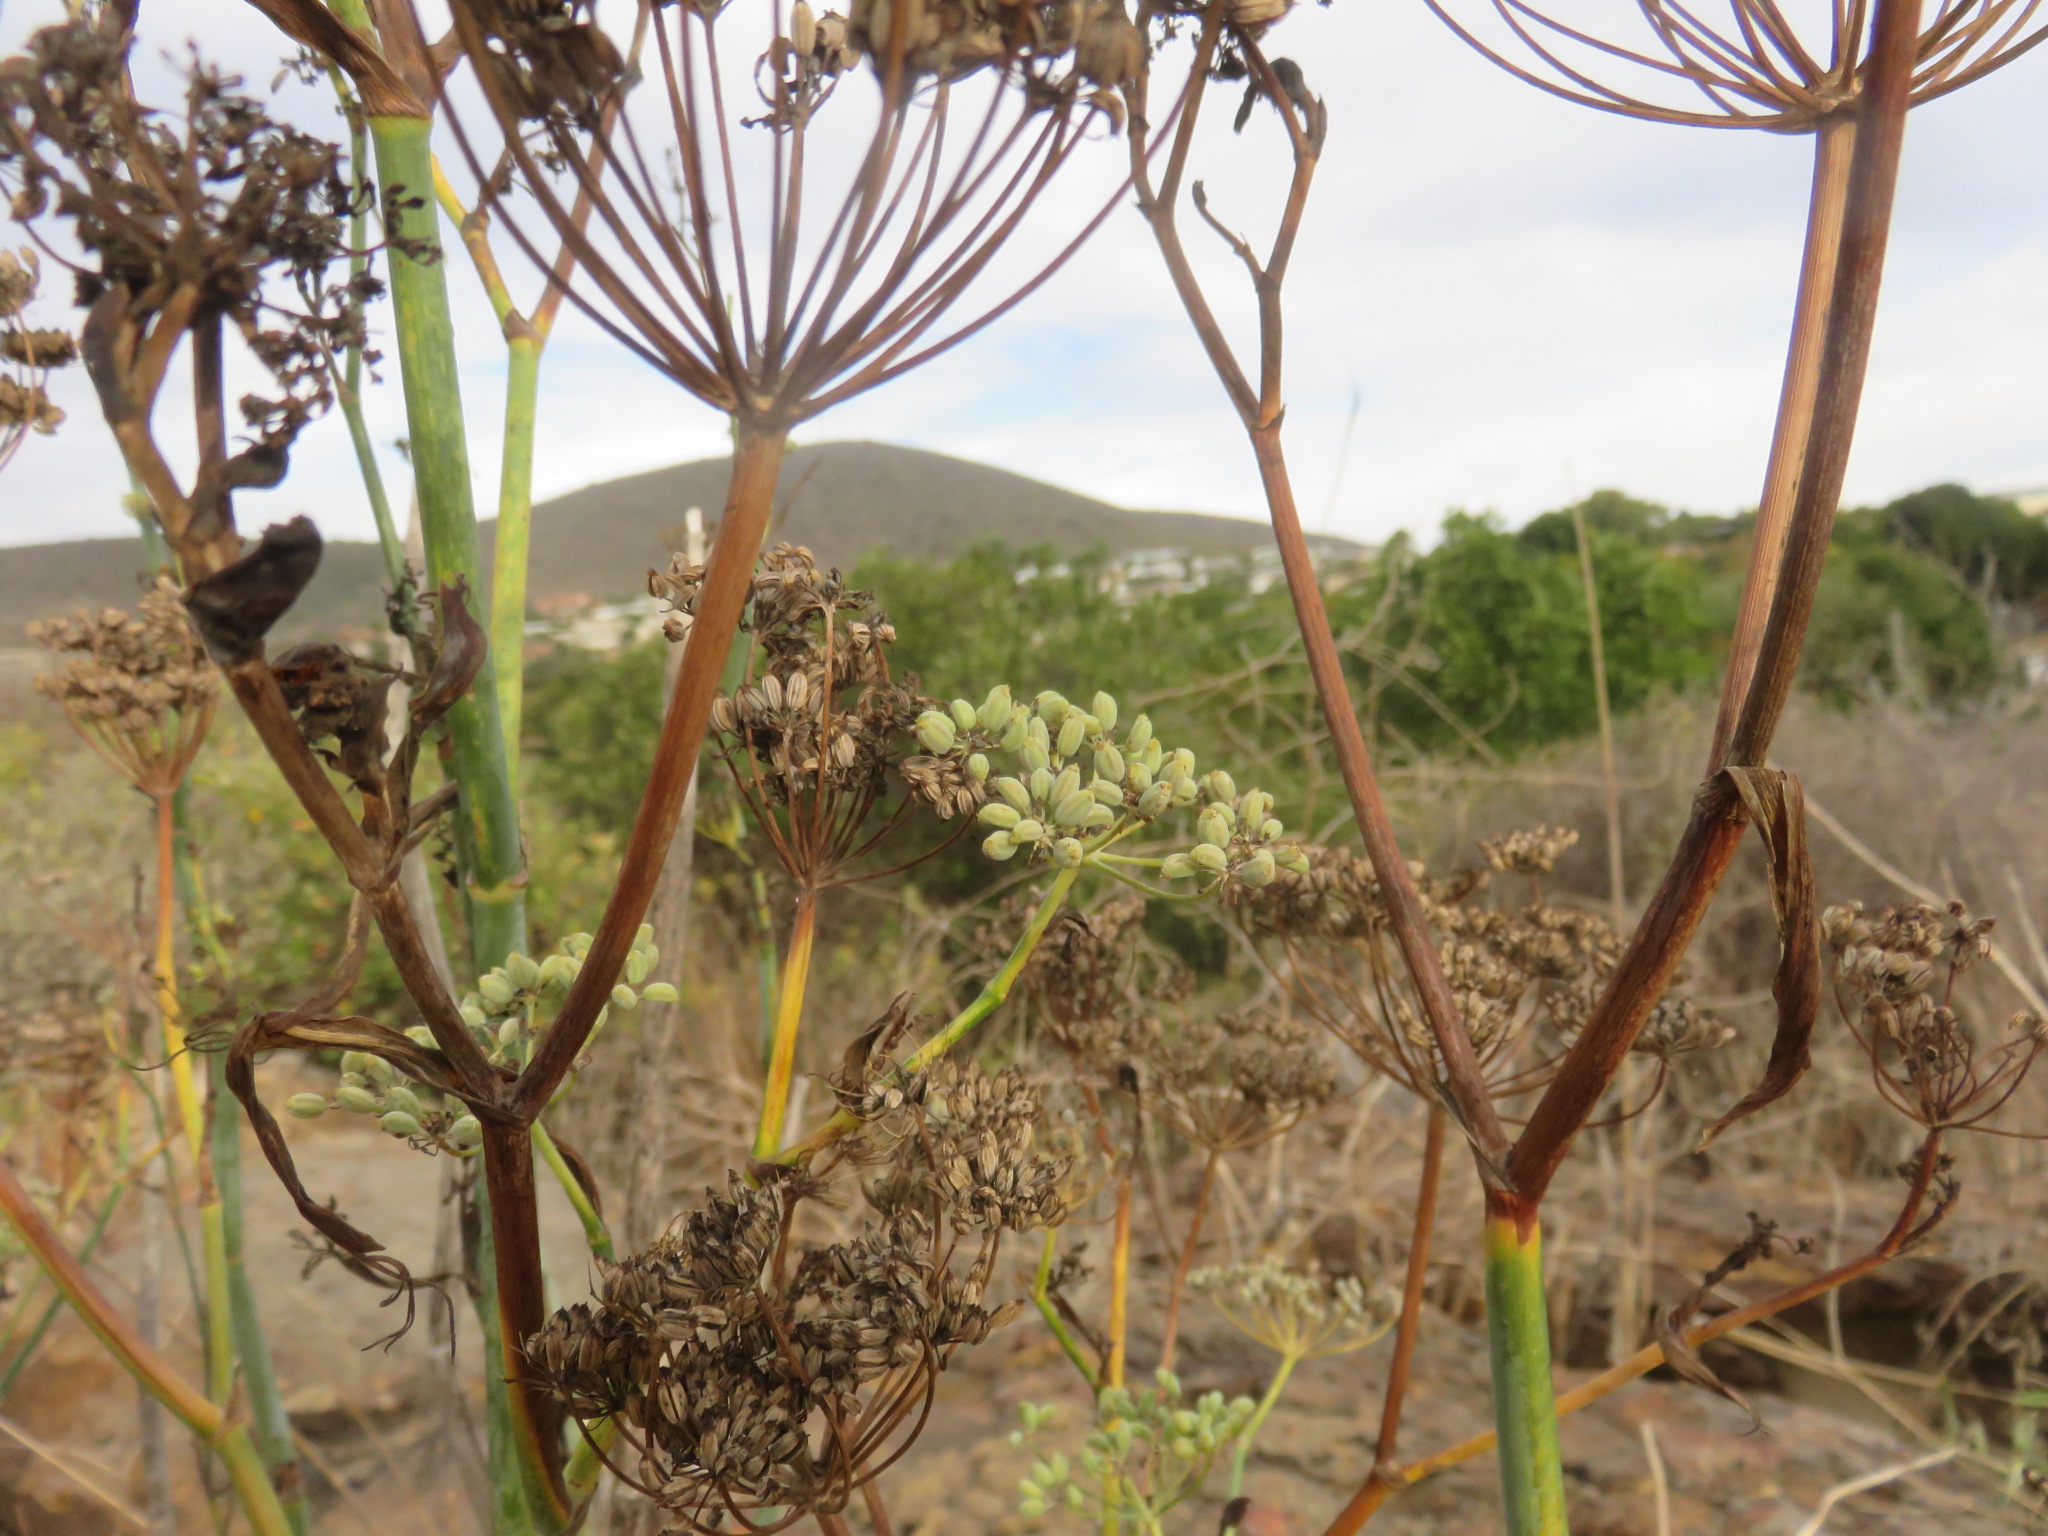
(1952, 801)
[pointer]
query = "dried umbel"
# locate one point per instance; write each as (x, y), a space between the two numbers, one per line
(1524, 978)
(1734, 63)
(1895, 982)
(817, 737)
(138, 686)
(1532, 851)
(1298, 1316)
(189, 223)
(748, 1371)
(1237, 1080)
(1336, 897)
(976, 1157)
(27, 354)
(801, 617)
(728, 259)
(1678, 1026)
(1088, 983)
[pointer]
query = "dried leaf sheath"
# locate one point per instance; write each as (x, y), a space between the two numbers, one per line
(1777, 809)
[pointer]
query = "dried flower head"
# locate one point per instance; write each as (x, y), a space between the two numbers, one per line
(1680, 1027)
(193, 221)
(964, 1144)
(138, 686)
(27, 354)
(1895, 983)
(749, 1371)
(1531, 851)
(1088, 981)
(817, 738)
(1742, 63)
(1336, 897)
(1525, 978)
(1297, 1316)
(1237, 1080)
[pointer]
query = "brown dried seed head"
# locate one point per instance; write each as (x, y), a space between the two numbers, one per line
(1529, 851)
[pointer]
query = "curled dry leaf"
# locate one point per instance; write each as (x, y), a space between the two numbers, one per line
(1778, 808)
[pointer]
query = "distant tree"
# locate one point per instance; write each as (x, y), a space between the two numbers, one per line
(1485, 633)
(1505, 616)
(1938, 644)
(1610, 512)
(591, 720)
(1987, 540)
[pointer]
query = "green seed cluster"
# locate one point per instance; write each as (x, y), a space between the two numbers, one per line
(1075, 785)
(504, 1013)
(1149, 1451)
(370, 1085)
(506, 1009)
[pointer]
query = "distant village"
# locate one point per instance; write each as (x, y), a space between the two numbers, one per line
(579, 620)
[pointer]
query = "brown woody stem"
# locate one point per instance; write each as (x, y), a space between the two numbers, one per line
(1385, 1476)
(757, 461)
(1708, 843)
(537, 1417)
(1464, 1082)
(1833, 142)
(1261, 411)
(1410, 1327)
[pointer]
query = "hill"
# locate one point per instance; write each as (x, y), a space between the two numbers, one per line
(841, 499)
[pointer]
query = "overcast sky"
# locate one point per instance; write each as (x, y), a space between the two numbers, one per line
(1520, 299)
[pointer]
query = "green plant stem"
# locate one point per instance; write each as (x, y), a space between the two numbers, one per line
(1524, 1401)
(495, 884)
(192, 1119)
(789, 1015)
(525, 1424)
(1257, 1422)
(525, 1450)
(764, 959)
(220, 1328)
(515, 526)
(271, 1426)
(206, 1420)
(525, 340)
(348, 392)
(596, 1234)
(986, 1001)
(1041, 1297)
(997, 989)
(586, 1465)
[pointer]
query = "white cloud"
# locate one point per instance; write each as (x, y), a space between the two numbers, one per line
(1530, 299)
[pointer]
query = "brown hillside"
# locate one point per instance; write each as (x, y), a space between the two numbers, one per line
(841, 499)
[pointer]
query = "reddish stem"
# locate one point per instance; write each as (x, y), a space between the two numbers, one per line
(1708, 843)
(1170, 1340)
(1410, 1326)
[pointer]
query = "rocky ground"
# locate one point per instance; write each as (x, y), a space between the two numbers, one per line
(391, 1451)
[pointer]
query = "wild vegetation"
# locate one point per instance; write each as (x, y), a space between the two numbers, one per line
(884, 966)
